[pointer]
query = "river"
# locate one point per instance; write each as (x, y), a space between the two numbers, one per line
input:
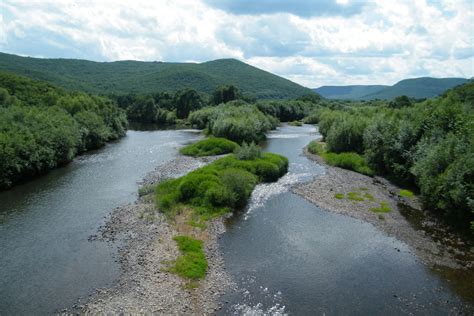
(290, 256)
(46, 260)
(287, 255)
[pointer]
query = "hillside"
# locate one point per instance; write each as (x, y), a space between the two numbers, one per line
(348, 92)
(418, 88)
(122, 77)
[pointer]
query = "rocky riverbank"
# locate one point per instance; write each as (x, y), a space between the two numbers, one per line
(338, 190)
(145, 285)
(356, 195)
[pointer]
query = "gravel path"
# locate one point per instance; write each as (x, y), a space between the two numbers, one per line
(145, 287)
(431, 241)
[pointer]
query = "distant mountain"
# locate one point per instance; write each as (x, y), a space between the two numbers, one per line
(347, 92)
(122, 77)
(418, 88)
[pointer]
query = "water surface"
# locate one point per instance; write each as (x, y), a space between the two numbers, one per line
(46, 260)
(290, 256)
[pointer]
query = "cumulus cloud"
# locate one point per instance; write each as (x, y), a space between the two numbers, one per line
(310, 42)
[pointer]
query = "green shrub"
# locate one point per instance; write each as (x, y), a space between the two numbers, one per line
(339, 196)
(248, 151)
(316, 148)
(237, 121)
(295, 123)
(240, 182)
(209, 147)
(351, 161)
(192, 264)
(220, 186)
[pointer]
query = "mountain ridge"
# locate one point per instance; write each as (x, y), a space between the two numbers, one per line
(129, 76)
(418, 88)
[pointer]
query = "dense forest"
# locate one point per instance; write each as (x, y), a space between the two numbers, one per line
(42, 127)
(428, 144)
(123, 77)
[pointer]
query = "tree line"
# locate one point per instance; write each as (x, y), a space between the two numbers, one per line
(429, 144)
(42, 127)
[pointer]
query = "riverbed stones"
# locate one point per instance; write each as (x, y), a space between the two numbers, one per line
(145, 286)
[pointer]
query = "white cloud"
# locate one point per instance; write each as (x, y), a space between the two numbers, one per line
(386, 42)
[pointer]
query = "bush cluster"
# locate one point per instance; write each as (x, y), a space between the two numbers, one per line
(248, 152)
(42, 127)
(235, 120)
(346, 160)
(209, 147)
(429, 144)
(221, 186)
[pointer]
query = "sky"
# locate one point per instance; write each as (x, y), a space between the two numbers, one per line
(312, 42)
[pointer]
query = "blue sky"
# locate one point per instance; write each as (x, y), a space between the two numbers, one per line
(312, 42)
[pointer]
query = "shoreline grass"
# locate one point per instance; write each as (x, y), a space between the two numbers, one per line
(347, 160)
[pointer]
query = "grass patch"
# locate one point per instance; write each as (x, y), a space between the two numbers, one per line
(339, 196)
(219, 187)
(354, 196)
(350, 161)
(406, 193)
(209, 147)
(383, 208)
(192, 264)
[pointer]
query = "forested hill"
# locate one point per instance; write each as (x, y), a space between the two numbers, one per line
(418, 88)
(123, 77)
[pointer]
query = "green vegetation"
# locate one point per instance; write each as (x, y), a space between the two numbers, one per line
(219, 187)
(429, 144)
(354, 196)
(192, 264)
(289, 111)
(124, 77)
(248, 152)
(406, 193)
(42, 127)
(351, 161)
(235, 120)
(383, 208)
(295, 123)
(209, 147)
(339, 196)
(418, 88)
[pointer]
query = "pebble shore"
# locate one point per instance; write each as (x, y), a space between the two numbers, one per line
(145, 286)
(431, 241)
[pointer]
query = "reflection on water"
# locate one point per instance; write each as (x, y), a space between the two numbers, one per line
(46, 260)
(289, 256)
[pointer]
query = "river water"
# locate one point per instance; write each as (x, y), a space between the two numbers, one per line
(287, 255)
(46, 260)
(290, 256)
